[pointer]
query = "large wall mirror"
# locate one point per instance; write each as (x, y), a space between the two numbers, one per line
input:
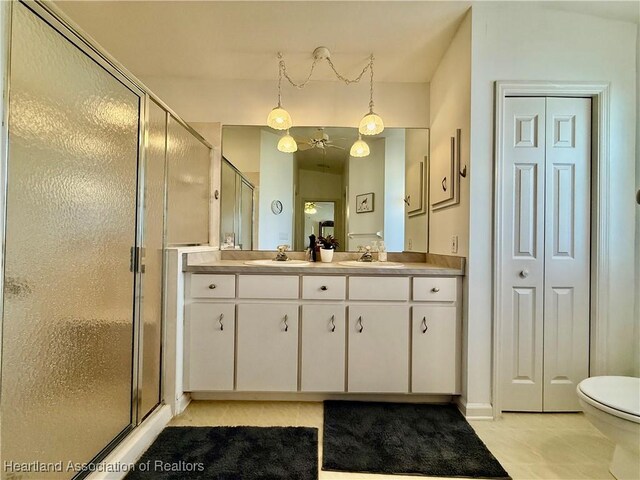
(271, 198)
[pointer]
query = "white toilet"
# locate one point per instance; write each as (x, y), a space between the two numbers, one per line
(612, 404)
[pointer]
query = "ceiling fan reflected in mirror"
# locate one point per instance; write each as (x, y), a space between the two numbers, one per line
(320, 140)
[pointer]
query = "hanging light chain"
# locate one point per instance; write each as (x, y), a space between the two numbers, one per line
(283, 71)
(347, 81)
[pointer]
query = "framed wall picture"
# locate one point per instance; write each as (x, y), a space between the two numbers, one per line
(364, 203)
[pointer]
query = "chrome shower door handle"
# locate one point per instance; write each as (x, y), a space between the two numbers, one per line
(220, 322)
(286, 325)
(359, 324)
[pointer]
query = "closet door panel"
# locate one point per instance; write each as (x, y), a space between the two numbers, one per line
(567, 251)
(523, 254)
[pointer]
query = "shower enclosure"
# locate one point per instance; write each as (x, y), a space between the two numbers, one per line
(88, 164)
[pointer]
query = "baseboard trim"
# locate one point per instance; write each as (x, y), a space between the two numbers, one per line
(182, 403)
(117, 464)
(319, 397)
(474, 411)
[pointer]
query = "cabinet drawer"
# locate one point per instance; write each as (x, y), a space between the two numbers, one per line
(212, 286)
(209, 339)
(268, 286)
(378, 288)
(327, 288)
(434, 289)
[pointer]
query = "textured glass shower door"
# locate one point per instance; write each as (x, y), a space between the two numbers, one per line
(67, 353)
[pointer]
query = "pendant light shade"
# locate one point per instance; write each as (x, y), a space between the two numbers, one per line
(279, 119)
(359, 148)
(287, 144)
(371, 124)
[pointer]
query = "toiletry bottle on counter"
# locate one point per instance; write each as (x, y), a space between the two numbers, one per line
(312, 247)
(382, 252)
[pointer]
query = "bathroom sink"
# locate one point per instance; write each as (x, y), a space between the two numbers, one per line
(355, 263)
(272, 263)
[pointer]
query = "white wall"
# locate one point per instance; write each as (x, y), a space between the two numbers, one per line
(394, 158)
(366, 175)
(415, 227)
(276, 183)
(450, 101)
(241, 146)
(522, 41)
(248, 102)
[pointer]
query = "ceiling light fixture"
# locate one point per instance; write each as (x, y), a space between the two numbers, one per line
(310, 208)
(279, 118)
(287, 144)
(359, 148)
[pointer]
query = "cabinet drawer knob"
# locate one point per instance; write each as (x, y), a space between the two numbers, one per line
(323, 288)
(333, 323)
(212, 286)
(524, 273)
(220, 321)
(435, 289)
(359, 324)
(424, 325)
(286, 325)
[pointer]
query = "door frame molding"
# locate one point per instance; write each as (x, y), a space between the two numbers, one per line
(599, 282)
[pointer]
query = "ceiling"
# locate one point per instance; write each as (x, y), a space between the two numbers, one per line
(240, 40)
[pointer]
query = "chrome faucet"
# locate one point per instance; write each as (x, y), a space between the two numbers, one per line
(282, 253)
(366, 256)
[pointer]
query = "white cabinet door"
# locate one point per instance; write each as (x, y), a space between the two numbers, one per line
(323, 348)
(378, 348)
(435, 361)
(209, 346)
(267, 348)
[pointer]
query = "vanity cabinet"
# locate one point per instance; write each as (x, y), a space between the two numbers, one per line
(210, 341)
(435, 349)
(322, 356)
(322, 333)
(267, 357)
(378, 353)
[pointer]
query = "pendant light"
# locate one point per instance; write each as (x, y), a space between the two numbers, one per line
(279, 118)
(371, 123)
(359, 148)
(287, 144)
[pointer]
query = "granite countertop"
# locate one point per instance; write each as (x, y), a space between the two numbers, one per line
(318, 268)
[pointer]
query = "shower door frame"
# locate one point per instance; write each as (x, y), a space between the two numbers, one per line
(56, 20)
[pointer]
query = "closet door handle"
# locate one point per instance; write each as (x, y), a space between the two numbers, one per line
(424, 325)
(359, 323)
(220, 321)
(324, 288)
(212, 286)
(333, 323)
(286, 325)
(524, 273)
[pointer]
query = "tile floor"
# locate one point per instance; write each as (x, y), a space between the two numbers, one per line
(528, 445)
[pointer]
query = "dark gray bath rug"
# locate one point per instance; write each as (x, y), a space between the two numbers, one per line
(230, 453)
(404, 438)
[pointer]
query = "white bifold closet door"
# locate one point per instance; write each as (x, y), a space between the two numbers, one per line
(545, 252)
